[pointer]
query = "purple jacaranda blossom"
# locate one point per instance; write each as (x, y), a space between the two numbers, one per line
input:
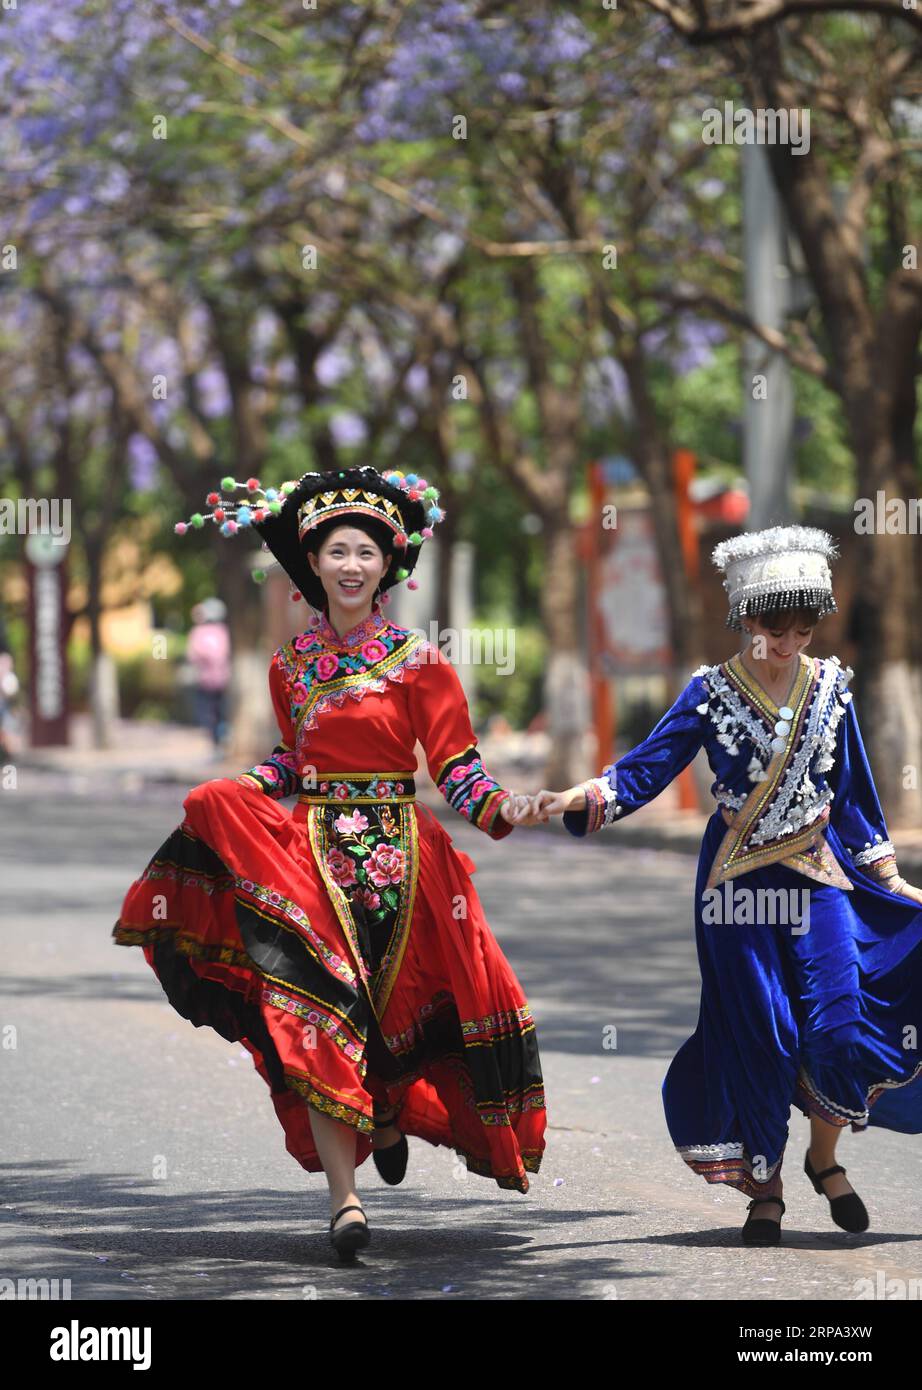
(512, 84)
(333, 364)
(160, 356)
(143, 463)
(44, 204)
(214, 396)
(417, 380)
(347, 428)
(264, 331)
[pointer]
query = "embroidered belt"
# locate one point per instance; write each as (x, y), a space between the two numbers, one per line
(360, 788)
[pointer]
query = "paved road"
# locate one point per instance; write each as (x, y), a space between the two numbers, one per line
(141, 1159)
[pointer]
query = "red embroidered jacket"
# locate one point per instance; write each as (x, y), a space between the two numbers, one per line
(358, 703)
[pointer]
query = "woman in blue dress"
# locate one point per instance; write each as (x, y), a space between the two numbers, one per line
(809, 942)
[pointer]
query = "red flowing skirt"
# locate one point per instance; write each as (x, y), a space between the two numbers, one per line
(246, 917)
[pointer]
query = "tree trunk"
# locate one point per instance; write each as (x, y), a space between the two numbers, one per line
(252, 731)
(103, 687)
(874, 358)
(654, 462)
(566, 685)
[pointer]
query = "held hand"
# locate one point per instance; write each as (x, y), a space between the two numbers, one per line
(524, 810)
(517, 809)
(539, 808)
(555, 803)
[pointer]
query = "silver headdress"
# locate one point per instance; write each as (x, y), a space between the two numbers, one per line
(781, 567)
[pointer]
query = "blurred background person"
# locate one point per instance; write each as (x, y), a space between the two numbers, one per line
(9, 689)
(208, 654)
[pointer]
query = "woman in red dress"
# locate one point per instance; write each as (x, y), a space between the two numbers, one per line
(344, 944)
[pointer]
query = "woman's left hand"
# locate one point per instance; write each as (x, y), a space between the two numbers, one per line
(906, 890)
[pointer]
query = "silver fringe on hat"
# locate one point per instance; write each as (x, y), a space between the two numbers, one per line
(780, 568)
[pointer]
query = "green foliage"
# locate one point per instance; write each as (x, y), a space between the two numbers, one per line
(704, 409)
(518, 695)
(263, 155)
(147, 684)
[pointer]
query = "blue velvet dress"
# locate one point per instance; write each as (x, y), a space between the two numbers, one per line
(811, 968)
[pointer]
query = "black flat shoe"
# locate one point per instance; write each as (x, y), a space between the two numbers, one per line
(391, 1162)
(762, 1230)
(353, 1236)
(848, 1210)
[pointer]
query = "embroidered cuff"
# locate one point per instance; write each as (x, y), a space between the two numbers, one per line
(602, 807)
(612, 806)
(595, 808)
(884, 871)
(473, 793)
(277, 776)
(882, 849)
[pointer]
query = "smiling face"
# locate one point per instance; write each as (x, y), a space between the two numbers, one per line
(349, 565)
(781, 637)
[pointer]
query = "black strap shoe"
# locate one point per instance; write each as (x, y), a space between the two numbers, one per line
(762, 1230)
(847, 1210)
(353, 1236)
(391, 1162)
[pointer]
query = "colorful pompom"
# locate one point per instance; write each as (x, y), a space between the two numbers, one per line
(259, 576)
(213, 499)
(196, 519)
(426, 533)
(252, 484)
(181, 528)
(415, 538)
(403, 573)
(228, 484)
(412, 583)
(400, 539)
(288, 487)
(229, 528)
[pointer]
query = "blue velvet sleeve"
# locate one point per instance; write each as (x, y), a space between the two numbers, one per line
(855, 812)
(646, 770)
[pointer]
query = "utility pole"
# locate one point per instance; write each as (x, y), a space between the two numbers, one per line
(768, 410)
